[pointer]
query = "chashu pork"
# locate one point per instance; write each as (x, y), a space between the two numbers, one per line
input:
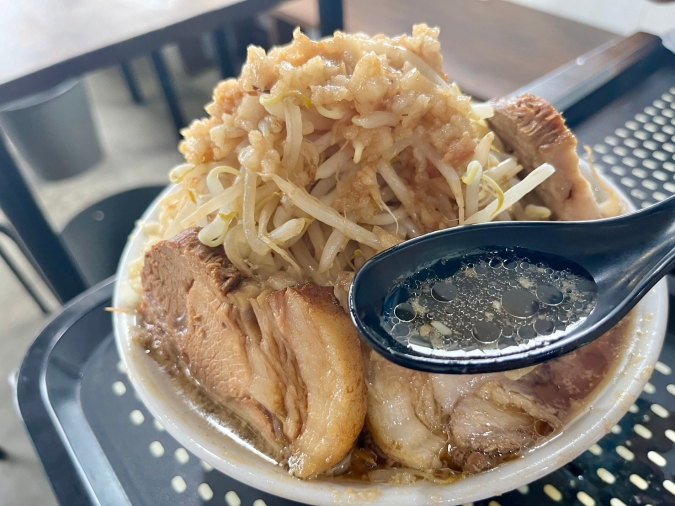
(497, 421)
(427, 421)
(404, 418)
(288, 362)
(537, 134)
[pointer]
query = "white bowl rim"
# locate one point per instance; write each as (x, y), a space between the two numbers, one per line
(619, 393)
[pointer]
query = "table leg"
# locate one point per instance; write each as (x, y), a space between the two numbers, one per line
(168, 89)
(330, 16)
(225, 51)
(128, 73)
(23, 212)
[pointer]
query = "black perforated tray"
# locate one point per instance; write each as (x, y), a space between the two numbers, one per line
(100, 446)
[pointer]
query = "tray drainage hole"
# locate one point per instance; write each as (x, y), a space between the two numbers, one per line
(615, 429)
(182, 456)
(660, 410)
(663, 368)
(553, 493)
(658, 196)
(205, 492)
(638, 481)
(494, 503)
(158, 426)
(606, 476)
(670, 434)
(649, 388)
(232, 499)
(524, 490)
(634, 409)
(616, 502)
(661, 176)
(178, 484)
(118, 388)
(626, 181)
(657, 459)
(156, 449)
(121, 368)
(585, 499)
(642, 431)
(206, 466)
(669, 486)
(259, 502)
(136, 417)
(595, 450)
(625, 453)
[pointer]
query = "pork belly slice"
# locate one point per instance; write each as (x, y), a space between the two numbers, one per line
(288, 362)
(404, 418)
(494, 422)
(469, 423)
(537, 134)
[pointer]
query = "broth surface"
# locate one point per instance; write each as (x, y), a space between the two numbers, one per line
(496, 298)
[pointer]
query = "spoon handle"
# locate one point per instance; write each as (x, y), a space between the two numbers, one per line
(651, 237)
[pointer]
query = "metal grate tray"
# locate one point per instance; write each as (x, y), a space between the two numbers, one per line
(99, 445)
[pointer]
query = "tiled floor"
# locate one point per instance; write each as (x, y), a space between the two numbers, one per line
(140, 148)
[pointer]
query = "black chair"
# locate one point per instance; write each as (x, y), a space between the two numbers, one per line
(96, 237)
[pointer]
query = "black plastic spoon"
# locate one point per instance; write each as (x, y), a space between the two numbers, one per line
(551, 287)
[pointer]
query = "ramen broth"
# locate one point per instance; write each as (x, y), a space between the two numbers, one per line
(492, 299)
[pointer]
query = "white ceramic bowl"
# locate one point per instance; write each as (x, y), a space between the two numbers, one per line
(215, 447)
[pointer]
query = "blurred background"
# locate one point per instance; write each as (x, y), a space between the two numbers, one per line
(93, 94)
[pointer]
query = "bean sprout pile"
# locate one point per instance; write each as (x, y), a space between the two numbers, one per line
(323, 154)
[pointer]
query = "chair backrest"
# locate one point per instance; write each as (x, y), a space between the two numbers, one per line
(97, 235)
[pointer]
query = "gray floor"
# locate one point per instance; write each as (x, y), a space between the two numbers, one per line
(140, 148)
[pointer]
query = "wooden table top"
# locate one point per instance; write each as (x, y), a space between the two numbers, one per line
(490, 48)
(43, 42)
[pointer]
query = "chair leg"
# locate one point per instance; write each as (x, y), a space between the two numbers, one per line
(132, 85)
(168, 89)
(3, 454)
(23, 212)
(330, 16)
(225, 50)
(8, 230)
(31, 291)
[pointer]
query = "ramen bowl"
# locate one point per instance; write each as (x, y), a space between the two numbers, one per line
(211, 442)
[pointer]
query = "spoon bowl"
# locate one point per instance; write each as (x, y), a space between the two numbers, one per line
(617, 260)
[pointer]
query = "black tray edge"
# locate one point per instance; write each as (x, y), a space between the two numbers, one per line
(55, 457)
